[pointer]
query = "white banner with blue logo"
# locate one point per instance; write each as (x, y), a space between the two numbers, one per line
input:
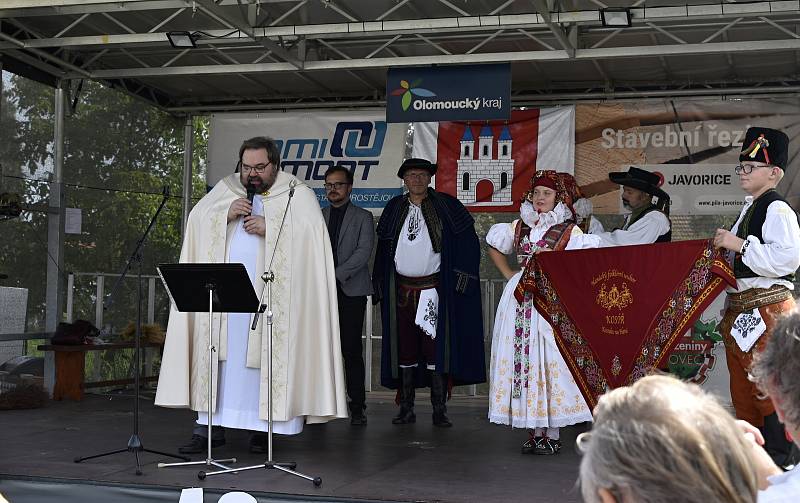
(312, 142)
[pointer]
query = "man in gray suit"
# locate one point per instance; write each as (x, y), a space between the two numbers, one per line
(352, 237)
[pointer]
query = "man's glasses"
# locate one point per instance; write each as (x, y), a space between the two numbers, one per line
(255, 169)
(335, 185)
(747, 168)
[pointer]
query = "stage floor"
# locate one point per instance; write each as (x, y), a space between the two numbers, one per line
(473, 461)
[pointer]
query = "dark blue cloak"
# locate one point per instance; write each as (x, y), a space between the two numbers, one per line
(459, 339)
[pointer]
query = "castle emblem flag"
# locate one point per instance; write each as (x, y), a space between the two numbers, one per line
(488, 165)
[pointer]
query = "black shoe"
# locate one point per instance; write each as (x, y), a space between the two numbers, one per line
(405, 416)
(258, 443)
(441, 420)
(439, 389)
(358, 419)
(406, 396)
(547, 447)
(529, 446)
(199, 444)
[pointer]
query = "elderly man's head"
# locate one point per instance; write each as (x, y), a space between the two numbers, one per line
(776, 369)
(662, 440)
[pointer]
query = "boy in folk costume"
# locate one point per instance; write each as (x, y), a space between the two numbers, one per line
(531, 386)
(765, 246)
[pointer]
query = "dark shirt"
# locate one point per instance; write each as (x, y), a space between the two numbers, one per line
(334, 225)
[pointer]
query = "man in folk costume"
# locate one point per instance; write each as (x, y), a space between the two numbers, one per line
(426, 274)
(308, 381)
(531, 385)
(647, 222)
(764, 244)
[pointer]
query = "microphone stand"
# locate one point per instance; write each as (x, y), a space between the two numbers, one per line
(134, 442)
(269, 278)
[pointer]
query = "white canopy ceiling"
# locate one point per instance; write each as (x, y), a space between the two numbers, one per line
(261, 54)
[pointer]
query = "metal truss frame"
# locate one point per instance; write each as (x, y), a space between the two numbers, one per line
(133, 55)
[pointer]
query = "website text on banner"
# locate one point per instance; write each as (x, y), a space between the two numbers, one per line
(310, 143)
(488, 165)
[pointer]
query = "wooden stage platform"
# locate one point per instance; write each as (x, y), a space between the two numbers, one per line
(473, 461)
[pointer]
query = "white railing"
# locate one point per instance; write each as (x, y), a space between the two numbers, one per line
(100, 294)
(489, 288)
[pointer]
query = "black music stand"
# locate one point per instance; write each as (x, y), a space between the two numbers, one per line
(270, 464)
(135, 442)
(212, 288)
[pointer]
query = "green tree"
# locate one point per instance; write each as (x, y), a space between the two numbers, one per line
(119, 153)
(23, 249)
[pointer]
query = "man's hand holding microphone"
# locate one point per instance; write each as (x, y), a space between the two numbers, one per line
(253, 224)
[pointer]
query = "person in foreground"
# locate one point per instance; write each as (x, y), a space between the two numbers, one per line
(308, 381)
(661, 441)
(776, 370)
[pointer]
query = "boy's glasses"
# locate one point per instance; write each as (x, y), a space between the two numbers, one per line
(747, 168)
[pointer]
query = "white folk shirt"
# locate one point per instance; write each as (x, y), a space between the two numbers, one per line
(595, 226)
(778, 255)
(644, 231)
(414, 256)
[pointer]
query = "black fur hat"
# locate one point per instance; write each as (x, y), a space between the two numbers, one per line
(766, 145)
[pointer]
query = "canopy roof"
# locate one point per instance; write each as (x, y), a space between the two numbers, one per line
(262, 54)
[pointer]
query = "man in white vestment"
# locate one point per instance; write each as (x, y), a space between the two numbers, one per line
(308, 379)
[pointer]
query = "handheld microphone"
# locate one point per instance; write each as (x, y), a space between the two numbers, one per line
(251, 192)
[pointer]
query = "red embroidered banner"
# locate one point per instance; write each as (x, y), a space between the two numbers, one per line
(617, 312)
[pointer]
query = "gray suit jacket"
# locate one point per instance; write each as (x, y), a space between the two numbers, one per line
(354, 250)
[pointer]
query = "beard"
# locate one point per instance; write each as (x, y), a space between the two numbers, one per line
(258, 184)
(627, 205)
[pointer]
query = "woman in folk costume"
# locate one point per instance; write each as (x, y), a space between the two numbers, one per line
(531, 385)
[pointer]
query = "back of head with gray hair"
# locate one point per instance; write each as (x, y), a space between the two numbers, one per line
(662, 440)
(776, 369)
